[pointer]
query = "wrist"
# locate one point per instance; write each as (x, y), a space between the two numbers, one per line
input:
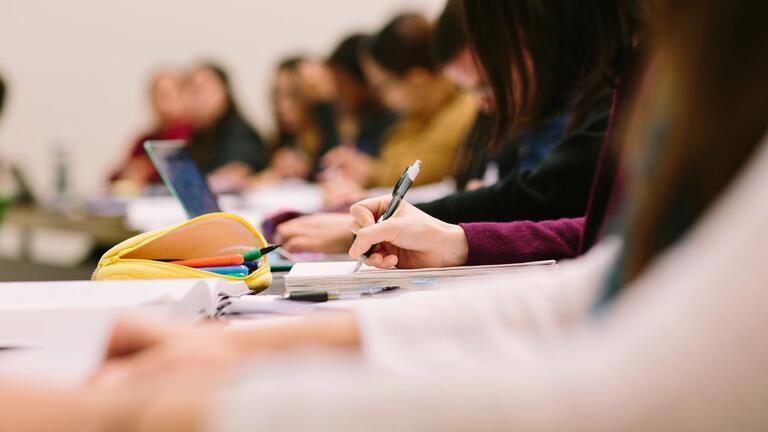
(456, 248)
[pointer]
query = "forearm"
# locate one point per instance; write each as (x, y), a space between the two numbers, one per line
(337, 331)
(22, 404)
(522, 241)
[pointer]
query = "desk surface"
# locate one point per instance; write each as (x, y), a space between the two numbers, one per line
(106, 231)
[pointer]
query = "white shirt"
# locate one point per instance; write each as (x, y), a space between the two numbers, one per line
(685, 348)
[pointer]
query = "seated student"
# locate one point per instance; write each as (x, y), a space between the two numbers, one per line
(534, 355)
(318, 107)
(224, 144)
(676, 350)
(300, 140)
(565, 184)
(478, 165)
(169, 122)
(363, 121)
(435, 117)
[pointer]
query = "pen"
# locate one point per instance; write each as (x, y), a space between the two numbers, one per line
(258, 253)
(398, 194)
(324, 296)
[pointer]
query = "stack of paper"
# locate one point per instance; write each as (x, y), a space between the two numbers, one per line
(339, 276)
(178, 299)
(57, 332)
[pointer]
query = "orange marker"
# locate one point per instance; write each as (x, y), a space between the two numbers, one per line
(217, 261)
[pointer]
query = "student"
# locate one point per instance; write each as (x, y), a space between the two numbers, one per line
(435, 117)
(301, 140)
(676, 350)
(169, 113)
(363, 120)
(568, 183)
(318, 107)
(477, 163)
(224, 145)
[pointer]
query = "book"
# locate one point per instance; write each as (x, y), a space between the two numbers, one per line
(340, 275)
(28, 308)
(57, 332)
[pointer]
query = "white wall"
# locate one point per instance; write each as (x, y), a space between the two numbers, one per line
(77, 69)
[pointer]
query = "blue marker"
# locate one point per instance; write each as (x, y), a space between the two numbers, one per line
(237, 271)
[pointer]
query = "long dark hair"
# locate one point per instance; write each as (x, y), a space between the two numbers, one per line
(698, 119)
(233, 108)
(290, 65)
(562, 54)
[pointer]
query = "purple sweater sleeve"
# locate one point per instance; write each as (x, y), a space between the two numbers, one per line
(522, 241)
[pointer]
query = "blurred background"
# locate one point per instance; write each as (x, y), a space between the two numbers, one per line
(78, 70)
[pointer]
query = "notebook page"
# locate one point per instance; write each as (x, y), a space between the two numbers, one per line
(340, 275)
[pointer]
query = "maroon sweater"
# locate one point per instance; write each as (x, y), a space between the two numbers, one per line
(521, 241)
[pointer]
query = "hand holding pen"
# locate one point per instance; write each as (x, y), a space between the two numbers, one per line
(398, 194)
(409, 239)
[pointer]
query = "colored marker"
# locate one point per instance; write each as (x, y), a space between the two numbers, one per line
(238, 271)
(252, 265)
(258, 253)
(216, 261)
(224, 260)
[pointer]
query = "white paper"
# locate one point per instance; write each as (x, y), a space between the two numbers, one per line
(340, 275)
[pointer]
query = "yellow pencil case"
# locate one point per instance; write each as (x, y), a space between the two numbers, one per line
(205, 236)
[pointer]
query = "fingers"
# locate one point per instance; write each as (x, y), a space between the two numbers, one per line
(362, 216)
(301, 243)
(372, 206)
(381, 261)
(130, 336)
(292, 228)
(388, 231)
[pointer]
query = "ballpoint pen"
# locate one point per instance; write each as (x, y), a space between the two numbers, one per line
(324, 296)
(398, 194)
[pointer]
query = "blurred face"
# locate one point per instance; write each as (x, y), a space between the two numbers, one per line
(206, 97)
(403, 95)
(167, 100)
(463, 71)
(351, 91)
(289, 102)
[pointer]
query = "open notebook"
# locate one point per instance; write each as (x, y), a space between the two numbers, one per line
(57, 332)
(339, 276)
(31, 312)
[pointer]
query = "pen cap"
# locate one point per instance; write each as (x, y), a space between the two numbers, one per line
(413, 170)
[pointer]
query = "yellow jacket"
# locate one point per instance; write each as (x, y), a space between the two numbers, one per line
(433, 140)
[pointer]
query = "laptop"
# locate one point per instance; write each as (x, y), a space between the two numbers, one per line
(188, 185)
(182, 176)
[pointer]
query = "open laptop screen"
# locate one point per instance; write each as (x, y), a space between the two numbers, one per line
(182, 176)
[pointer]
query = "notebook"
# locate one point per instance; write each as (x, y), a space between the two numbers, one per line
(28, 308)
(340, 276)
(57, 332)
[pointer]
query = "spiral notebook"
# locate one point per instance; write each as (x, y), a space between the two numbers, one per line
(340, 276)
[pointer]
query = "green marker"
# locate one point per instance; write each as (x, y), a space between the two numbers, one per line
(255, 254)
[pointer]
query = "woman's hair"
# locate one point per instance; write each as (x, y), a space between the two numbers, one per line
(346, 56)
(450, 35)
(233, 107)
(554, 55)
(403, 44)
(291, 65)
(698, 121)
